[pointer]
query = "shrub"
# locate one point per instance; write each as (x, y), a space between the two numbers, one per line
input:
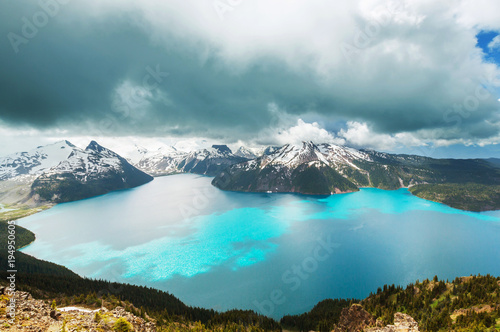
(122, 325)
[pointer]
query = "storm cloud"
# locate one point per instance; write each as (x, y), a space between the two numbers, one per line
(236, 70)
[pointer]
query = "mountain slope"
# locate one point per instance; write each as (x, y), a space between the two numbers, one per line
(87, 173)
(308, 169)
(36, 161)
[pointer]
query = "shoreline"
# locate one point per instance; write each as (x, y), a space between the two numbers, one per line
(351, 192)
(26, 245)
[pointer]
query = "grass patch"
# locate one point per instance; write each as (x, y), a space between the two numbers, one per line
(19, 212)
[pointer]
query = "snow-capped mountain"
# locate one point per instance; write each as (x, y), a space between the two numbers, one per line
(294, 155)
(328, 168)
(62, 172)
(307, 168)
(266, 150)
(209, 161)
(36, 161)
(93, 162)
(291, 156)
(245, 153)
(136, 154)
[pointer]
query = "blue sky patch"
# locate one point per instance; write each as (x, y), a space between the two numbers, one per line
(484, 38)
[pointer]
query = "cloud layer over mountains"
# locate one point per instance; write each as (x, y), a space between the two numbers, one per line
(361, 72)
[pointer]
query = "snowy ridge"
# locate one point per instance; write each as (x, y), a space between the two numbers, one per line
(337, 155)
(140, 153)
(332, 155)
(208, 161)
(35, 162)
(92, 161)
(245, 153)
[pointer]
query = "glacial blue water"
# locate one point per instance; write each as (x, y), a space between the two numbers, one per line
(273, 253)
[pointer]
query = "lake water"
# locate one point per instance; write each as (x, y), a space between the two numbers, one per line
(273, 253)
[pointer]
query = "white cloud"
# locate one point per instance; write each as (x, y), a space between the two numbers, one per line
(482, 14)
(359, 135)
(304, 131)
(495, 43)
(362, 136)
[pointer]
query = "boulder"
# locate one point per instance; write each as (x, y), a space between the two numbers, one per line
(55, 315)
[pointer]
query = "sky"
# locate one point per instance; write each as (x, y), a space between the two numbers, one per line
(415, 76)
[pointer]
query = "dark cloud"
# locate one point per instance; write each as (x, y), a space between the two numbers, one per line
(68, 77)
(96, 72)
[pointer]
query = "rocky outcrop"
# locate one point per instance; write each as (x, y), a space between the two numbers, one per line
(402, 323)
(36, 315)
(355, 319)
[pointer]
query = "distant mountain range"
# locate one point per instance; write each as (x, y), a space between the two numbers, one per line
(210, 161)
(327, 169)
(62, 172)
(324, 169)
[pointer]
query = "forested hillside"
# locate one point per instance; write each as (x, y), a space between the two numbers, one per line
(465, 304)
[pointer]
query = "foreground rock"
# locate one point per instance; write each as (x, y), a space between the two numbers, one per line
(36, 315)
(357, 319)
(402, 323)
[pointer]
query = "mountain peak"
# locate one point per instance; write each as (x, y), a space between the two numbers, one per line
(69, 144)
(245, 153)
(308, 145)
(57, 144)
(222, 148)
(94, 146)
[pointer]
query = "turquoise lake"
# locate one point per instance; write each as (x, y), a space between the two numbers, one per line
(273, 253)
